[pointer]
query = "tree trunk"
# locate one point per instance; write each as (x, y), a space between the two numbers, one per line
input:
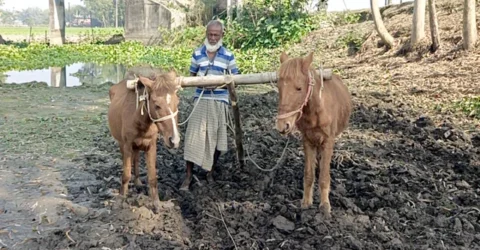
(433, 25)
(229, 12)
(239, 8)
(418, 26)
(57, 21)
(381, 30)
(469, 25)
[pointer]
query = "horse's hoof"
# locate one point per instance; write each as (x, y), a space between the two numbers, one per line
(306, 203)
(156, 207)
(325, 209)
(138, 183)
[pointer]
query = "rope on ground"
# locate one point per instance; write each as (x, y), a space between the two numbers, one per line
(278, 161)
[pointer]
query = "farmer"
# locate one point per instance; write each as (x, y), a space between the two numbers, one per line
(206, 135)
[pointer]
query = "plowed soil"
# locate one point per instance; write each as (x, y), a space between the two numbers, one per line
(398, 182)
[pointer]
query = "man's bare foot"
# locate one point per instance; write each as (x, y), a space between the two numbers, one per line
(186, 183)
(210, 177)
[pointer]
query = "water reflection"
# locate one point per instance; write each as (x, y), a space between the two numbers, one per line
(76, 74)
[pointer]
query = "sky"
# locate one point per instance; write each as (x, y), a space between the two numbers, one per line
(333, 5)
(42, 4)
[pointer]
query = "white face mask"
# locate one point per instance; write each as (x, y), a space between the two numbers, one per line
(215, 47)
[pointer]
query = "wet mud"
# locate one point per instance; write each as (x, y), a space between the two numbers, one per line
(399, 181)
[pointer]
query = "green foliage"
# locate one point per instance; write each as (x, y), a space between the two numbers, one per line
(352, 40)
(38, 55)
(104, 10)
(190, 37)
(344, 17)
(269, 24)
(99, 35)
(470, 106)
(33, 16)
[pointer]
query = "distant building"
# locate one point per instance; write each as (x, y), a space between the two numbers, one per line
(144, 18)
(81, 21)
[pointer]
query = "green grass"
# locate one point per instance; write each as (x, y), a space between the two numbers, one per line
(25, 31)
(470, 106)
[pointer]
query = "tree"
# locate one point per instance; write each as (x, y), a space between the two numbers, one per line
(381, 30)
(418, 26)
(469, 25)
(33, 16)
(432, 12)
(104, 10)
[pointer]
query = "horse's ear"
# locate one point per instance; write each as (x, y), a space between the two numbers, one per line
(283, 57)
(172, 73)
(307, 61)
(147, 82)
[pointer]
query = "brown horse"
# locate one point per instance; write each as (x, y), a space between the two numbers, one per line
(320, 109)
(140, 109)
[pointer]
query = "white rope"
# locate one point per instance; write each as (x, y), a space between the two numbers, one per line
(278, 161)
(194, 106)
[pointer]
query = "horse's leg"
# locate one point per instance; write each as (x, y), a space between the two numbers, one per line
(127, 168)
(151, 154)
(308, 173)
(324, 175)
(136, 168)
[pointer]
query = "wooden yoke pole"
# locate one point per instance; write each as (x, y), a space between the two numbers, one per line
(247, 79)
(238, 124)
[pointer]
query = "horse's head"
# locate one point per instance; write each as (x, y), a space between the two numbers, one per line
(162, 106)
(293, 89)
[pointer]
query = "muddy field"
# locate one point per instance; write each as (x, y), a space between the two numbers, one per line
(399, 181)
(405, 175)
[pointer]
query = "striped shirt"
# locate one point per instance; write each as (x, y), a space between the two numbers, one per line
(223, 63)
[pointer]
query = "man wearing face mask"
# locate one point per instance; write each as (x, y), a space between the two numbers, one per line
(206, 135)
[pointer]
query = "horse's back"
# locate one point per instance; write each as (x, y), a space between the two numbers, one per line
(117, 94)
(342, 100)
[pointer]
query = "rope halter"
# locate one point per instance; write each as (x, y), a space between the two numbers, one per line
(145, 97)
(308, 96)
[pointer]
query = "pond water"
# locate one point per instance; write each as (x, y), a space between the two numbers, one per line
(76, 74)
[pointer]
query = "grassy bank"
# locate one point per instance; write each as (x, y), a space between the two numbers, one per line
(69, 31)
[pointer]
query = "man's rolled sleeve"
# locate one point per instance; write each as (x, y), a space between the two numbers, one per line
(232, 66)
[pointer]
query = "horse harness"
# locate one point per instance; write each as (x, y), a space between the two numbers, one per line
(308, 96)
(145, 97)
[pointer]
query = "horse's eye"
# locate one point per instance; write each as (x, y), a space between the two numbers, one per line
(298, 88)
(157, 107)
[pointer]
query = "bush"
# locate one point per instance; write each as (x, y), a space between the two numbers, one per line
(268, 24)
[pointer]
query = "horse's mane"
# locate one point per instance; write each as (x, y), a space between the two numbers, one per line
(162, 79)
(292, 68)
